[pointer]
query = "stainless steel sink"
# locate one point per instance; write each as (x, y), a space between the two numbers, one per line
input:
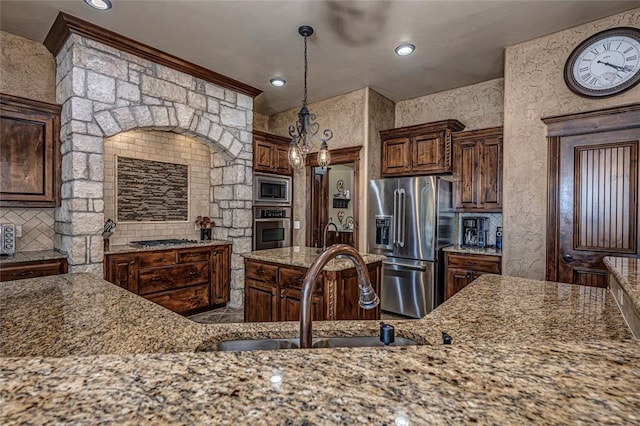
(320, 342)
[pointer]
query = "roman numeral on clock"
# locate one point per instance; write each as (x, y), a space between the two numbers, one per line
(632, 58)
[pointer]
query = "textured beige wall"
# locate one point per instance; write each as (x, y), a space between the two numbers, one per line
(535, 88)
(345, 115)
(158, 146)
(477, 106)
(27, 68)
(260, 122)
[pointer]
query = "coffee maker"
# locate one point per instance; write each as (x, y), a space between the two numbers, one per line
(474, 231)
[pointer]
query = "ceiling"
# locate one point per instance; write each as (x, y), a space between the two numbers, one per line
(458, 42)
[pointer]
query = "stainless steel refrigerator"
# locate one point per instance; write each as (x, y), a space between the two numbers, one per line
(410, 221)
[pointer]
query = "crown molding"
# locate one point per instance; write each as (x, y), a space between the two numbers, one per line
(66, 24)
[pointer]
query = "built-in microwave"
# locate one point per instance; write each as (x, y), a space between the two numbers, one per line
(271, 189)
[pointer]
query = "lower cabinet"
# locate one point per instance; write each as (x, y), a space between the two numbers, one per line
(273, 293)
(33, 269)
(462, 269)
(182, 280)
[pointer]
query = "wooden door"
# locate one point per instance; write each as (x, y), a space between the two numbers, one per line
(490, 185)
(427, 155)
(220, 271)
(465, 159)
(318, 200)
(263, 155)
(290, 305)
(261, 302)
(396, 155)
(121, 271)
(457, 279)
(593, 197)
(281, 160)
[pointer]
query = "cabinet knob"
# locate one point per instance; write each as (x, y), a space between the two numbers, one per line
(132, 262)
(468, 275)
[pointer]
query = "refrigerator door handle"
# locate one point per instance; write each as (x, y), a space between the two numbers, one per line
(394, 228)
(406, 266)
(402, 219)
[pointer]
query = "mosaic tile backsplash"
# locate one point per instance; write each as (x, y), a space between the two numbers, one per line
(152, 191)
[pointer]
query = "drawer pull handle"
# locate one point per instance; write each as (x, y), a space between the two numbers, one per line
(157, 259)
(25, 273)
(260, 271)
(298, 280)
(194, 273)
(156, 278)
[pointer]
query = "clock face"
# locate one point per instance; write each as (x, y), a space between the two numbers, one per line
(605, 64)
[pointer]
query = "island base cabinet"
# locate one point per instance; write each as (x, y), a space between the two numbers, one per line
(273, 293)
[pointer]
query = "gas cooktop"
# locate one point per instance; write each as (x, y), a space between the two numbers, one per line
(169, 242)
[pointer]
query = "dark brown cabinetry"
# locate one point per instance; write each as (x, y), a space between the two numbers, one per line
(272, 293)
(271, 153)
(416, 150)
(462, 269)
(182, 280)
(33, 269)
(30, 146)
(477, 170)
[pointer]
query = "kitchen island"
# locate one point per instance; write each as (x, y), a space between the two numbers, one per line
(523, 351)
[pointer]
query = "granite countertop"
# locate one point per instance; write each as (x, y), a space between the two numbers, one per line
(627, 272)
(305, 256)
(134, 249)
(79, 349)
(492, 251)
(31, 256)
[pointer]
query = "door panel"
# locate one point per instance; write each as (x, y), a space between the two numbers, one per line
(465, 158)
(598, 187)
(427, 155)
(396, 155)
(417, 216)
(491, 173)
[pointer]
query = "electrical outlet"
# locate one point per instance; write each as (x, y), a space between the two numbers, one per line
(296, 224)
(18, 231)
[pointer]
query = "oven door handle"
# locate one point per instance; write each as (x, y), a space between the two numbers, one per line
(272, 219)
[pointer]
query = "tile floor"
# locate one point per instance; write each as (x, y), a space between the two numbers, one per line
(227, 315)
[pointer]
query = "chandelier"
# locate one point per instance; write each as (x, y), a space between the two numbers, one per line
(306, 129)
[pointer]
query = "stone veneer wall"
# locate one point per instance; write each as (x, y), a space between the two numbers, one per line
(476, 106)
(158, 146)
(104, 92)
(28, 70)
(535, 88)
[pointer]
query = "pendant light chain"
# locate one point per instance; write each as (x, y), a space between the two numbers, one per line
(304, 101)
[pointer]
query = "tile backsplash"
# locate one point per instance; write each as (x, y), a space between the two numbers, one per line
(37, 227)
(495, 221)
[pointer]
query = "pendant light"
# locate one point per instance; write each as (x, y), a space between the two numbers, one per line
(306, 129)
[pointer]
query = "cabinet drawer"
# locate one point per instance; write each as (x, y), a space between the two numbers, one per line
(30, 271)
(179, 276)
(159, 258)
(481, 263)
(193, 256)
(293, 278)
(260, 271)
(183, 300)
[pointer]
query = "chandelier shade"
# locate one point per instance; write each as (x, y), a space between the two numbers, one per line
(306, 129)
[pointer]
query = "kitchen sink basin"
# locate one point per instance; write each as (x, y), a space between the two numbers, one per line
(320, 342)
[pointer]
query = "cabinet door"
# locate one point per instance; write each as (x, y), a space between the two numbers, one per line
(396, 155)
(290, 304)
(457, 279)
(348, 292)
(281, 154)
(260, 302)
(263, 156)
(428, 153)
(121, 271)
(465, 175)
(220, 275)
(490, 185)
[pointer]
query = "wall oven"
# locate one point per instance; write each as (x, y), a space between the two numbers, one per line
(271, 227)
(271, 189)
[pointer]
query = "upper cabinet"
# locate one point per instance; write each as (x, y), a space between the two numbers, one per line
(271, 154)
(418, 150)
(30, 146)
(477, 170)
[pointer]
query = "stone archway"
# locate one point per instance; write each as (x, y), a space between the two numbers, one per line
(105, 91)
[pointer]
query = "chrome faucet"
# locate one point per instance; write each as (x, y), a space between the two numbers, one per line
(324, 236)
(367, 300)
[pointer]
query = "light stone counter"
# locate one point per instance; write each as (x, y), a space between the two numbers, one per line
(491, 251)
(625, 286)
(305, 256)
(134, 249)
(31, 256)
(79, 349)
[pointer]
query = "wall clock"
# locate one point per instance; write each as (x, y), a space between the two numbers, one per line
(605, 64)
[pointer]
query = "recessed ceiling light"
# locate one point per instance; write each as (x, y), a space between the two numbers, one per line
(405, 49)
(99, 4)
(278, 82)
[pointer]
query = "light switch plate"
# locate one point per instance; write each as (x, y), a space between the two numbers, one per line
(18, 231)
(296, 224)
